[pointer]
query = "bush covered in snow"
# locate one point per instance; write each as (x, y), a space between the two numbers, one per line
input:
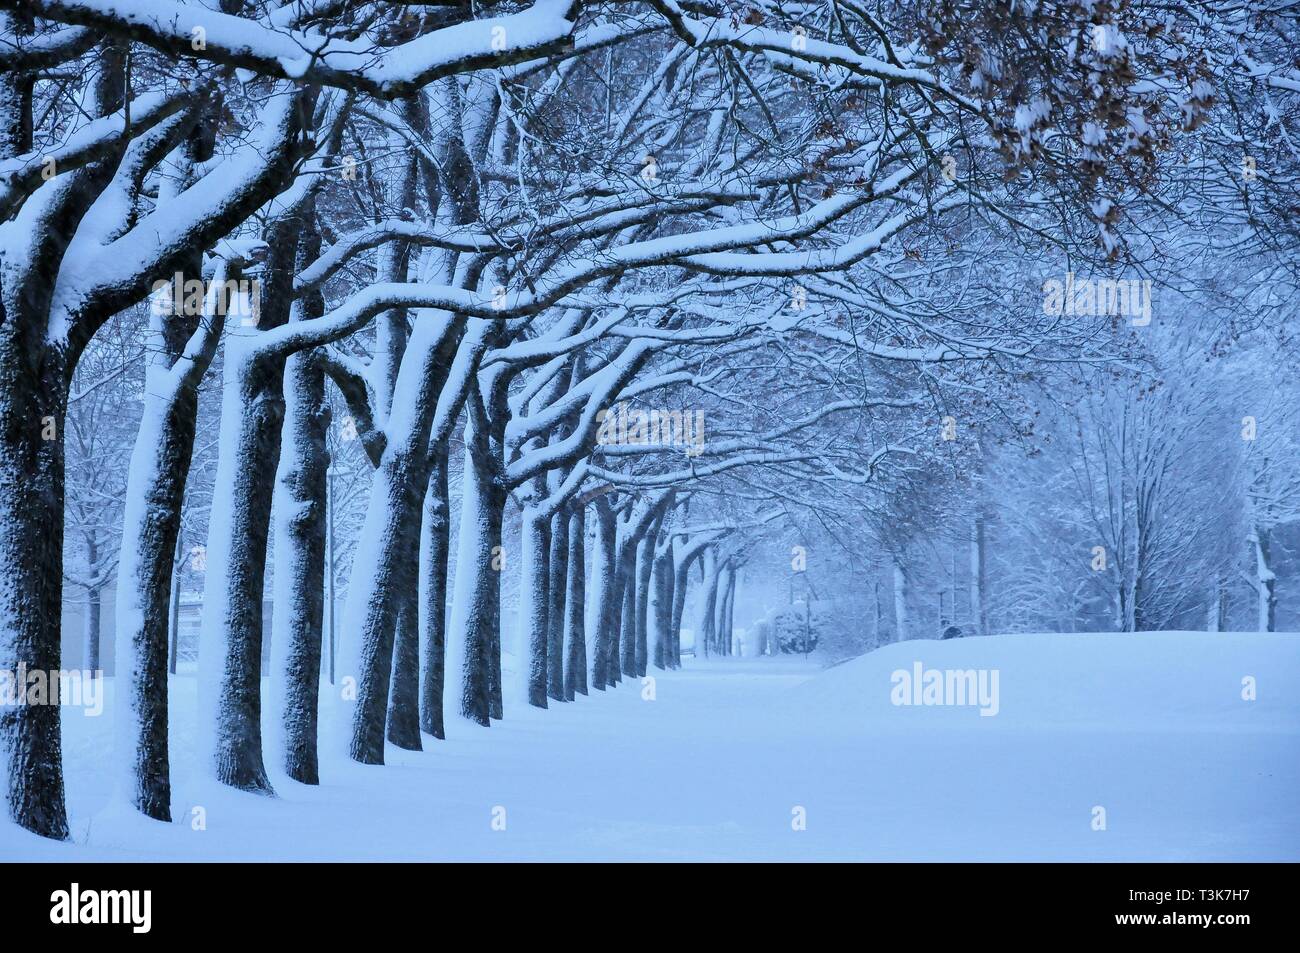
(837, 630)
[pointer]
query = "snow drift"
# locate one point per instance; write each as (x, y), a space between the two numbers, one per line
(1170, 680)
(1148, 734)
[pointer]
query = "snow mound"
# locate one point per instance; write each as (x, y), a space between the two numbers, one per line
(1152, 680)
(1149, 732)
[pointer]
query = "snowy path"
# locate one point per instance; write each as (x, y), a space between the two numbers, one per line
(714, 767)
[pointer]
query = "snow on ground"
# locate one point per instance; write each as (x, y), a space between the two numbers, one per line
(1151, 727)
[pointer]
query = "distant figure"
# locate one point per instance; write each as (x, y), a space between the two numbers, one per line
(949, 631)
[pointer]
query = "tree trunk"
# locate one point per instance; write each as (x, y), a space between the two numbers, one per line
(1140, 607)
(248, 451)
(575, 599)
(979, 608)
(671, 658)
(231, 644)
(384, 587)
(1265, 581)
(608, 597)
(147, 611)
(496, 697)
(36, 366)
(731, 611)
(299, 603)
(901, 633)
(534, 600)
(476, 605)
(659, 608)
(404, 691)
(728, 614)
(94, 603)
(1217, 617)
(645, 557)
(710, 570)
(877, 615)
(682, 574)
(301, 488)
(721, 634)
(657, 613)
(33, 399)
(174, 616)
(155, 490)
(436, 535)
(626, 657)
(558, 562)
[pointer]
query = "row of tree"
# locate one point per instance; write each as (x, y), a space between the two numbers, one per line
(488, 229)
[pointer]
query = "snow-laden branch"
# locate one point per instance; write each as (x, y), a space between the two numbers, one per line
(23, 175)
(796, 53)
(435, 235)
(768, 440)
(20, 54)
(270, 49)
(691, 246)
(117, 274)
(839, 258)
(597, 390)
(693, 472)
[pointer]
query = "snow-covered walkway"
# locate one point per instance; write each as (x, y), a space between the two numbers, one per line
(1152, 728)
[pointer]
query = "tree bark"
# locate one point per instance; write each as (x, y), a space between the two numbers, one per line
(534, 600)
(155, 491)
(979, 578)
(301, 487)
(33, 388)
(382, 592)
(94, 604)
(1265, 581)
(404, 693)
(248, 451)
(682, 573)
(659, 609)
(608, 597)
(558, 564)
(148, 596)
(708, 603)
(476, 606)
(626, 656)
(644, 578)
(722, 635)
(1217, 617)
(238, 527)
(299, 604)
(900, 604)
(384, 588)
(575, 635)
(174, 616)
(436, 536)
(729, 614)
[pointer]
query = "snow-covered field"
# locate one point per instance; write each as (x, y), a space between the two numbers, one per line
(1153, 728)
